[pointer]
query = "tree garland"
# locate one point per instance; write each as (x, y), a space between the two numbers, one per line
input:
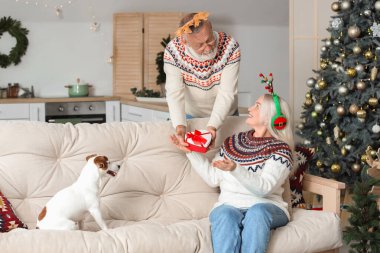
(13, 27)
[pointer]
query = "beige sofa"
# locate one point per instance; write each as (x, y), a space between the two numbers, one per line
(156, 203)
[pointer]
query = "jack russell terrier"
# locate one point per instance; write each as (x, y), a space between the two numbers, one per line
(68, 206)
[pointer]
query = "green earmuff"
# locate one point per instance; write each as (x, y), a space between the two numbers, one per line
(278, 121)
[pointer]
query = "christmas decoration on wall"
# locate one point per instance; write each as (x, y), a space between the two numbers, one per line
(344, 93)
(14, 28)
(54, 5)
(60, 7)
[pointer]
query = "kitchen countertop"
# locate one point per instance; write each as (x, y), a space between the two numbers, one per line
(162, 106)
(147, 105)
(57, 100)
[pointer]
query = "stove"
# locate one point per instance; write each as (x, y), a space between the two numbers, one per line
(75, 112)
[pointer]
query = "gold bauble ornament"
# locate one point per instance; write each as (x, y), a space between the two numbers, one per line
(373, 154)
(356, 50)
(314, 114)
(308, 95)
(319, 164)
(335, 6)
(356, 167)
(373, 101)
(374, 71)
(319, 132)
(360, 85)
(343, 151)
(368, 55)
(323, 65)
(345, 5)
(308, 102)
(322, 84)
(377, 5)
(361, 114)
(353, 109)
(335, 168)
(353, 32)
(351, 72)
(340, 110)
(363, 158)
(342, 90)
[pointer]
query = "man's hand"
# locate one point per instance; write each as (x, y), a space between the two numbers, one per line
(225, 165)
(212, 130)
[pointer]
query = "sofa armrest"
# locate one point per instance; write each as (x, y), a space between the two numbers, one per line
(328, 188)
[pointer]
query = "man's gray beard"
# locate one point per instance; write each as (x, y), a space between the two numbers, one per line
(207, 56)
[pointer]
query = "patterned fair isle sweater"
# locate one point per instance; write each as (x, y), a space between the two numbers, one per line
(202, 86)
(263, 165)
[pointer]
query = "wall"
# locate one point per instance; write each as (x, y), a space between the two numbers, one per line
(59, 52)
(264, 49)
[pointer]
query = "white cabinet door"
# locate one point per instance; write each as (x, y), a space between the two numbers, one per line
(14, 111)
(112, 111)
(37, 112)
(134, 113)
(158, 116)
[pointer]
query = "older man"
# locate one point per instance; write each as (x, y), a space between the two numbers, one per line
(201, 68)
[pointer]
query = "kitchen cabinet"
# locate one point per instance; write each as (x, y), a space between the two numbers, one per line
(112, 111)
(23, 111)
(139, 114)
(14, 112)
(136, 42)
(37, 112)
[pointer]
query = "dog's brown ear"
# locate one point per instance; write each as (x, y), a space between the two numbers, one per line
(42, 214)
(101, 162)
(90, 156)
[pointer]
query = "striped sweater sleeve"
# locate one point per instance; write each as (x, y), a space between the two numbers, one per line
(175, 91)
(203, 167)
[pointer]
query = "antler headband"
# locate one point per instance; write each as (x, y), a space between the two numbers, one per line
(279, 121)
(195, 21)
(268, 82)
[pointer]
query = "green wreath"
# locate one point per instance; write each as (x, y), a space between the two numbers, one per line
(13, 27)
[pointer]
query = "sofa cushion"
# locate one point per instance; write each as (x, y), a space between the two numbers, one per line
(301, 163)
(8, 219)
(309, 231)
(303, 234)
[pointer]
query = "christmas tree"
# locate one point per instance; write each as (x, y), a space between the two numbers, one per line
(363, 234)
(341, 112)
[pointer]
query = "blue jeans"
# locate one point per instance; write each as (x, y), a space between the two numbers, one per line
(235, 230)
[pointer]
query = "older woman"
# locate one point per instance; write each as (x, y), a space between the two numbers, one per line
(250, 170)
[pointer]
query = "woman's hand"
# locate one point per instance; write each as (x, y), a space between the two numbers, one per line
(226, 165)
(212, 130)
(178, 144)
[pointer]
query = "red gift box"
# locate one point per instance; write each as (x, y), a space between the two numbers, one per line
(198, 141)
